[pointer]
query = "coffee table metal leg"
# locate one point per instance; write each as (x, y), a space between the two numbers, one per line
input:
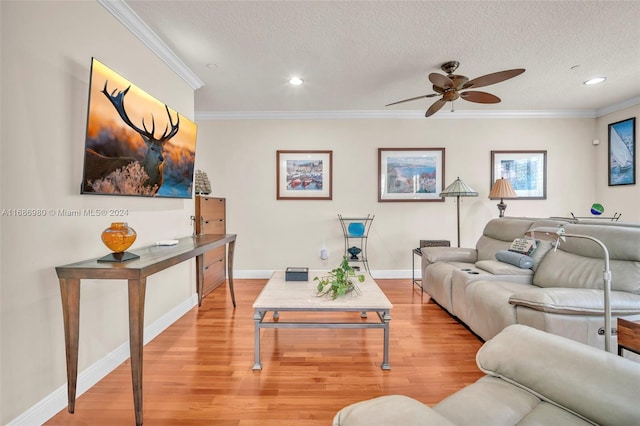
(257, 318)
(385, 317)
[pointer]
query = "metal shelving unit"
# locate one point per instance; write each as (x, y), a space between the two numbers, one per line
(356, 234)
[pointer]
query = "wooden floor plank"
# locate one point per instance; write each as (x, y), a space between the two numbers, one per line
(199, 370)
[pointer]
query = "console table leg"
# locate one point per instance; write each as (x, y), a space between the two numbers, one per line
(136, 329)
(200, 277)
(70, 293)
(232, 245)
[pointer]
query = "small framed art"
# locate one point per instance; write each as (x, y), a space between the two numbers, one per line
(525, 170)
(622, 152)
(410, 174)
(304, 175)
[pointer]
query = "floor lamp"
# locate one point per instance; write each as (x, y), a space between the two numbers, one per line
(557, 234)
(458, 189)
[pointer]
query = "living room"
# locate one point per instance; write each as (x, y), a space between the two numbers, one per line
(46, 53)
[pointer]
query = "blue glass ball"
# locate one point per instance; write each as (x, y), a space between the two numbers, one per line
(356, 229)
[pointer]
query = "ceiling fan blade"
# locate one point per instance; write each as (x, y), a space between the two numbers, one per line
(480, 97)
(435, 107)
(440, 80)
(493, 78)
(413, 99)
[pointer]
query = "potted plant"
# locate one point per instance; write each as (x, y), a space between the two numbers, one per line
(339, 281)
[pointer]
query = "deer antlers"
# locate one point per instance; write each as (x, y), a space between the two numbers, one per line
(118, 102)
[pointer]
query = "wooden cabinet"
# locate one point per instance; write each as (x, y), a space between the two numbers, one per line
(211, 219)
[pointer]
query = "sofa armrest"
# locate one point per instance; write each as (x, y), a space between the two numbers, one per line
(449, 254)
(392, 410)
(576, 301)
(589, 382)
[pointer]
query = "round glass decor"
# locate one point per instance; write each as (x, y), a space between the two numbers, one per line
(356, 229)
(597, 209)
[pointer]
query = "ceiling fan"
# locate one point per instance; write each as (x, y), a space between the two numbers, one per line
(451, 87)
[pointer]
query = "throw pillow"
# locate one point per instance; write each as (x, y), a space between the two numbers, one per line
(520, 260)
(524, 246)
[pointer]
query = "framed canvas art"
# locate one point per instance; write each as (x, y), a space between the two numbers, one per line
(622, 152)
(304, 175)
(525, 170)
(410, 174)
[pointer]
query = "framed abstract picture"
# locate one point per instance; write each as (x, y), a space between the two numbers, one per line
(410, 174)
(526, 170)
(304, 175)
(622, 152)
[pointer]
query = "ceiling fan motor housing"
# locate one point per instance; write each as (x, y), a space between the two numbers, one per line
(450, 67)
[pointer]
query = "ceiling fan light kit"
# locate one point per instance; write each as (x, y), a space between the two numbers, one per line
(450, 87)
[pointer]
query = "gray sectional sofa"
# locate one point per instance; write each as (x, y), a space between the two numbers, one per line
(562, 293)
(532, 378)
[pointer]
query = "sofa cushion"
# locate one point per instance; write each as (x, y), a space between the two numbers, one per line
(498, 234)
(539, 252)
(522, 261)
(545, 365)
(491, 401)
(496, 267)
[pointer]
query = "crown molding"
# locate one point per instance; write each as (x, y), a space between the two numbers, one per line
(123, 13)
(368, 114)
(617, 107)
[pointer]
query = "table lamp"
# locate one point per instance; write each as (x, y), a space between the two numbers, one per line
(502, 189)
(557, 234)
(458, 189)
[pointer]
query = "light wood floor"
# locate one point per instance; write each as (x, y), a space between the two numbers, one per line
(199, 370)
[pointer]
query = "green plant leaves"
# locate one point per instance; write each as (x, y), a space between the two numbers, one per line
(338, 281)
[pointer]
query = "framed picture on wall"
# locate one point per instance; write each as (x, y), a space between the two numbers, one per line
(525, 170)
(304, 175)
(410, 174)
(622, 152)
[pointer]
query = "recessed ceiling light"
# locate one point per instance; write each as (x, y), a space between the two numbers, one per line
(595, 80)
(295, 81)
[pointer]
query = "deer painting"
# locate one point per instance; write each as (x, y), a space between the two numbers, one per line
(98, 166)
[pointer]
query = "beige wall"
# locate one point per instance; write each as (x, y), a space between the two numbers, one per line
(46, 51)
(239, 157)
(623, 199)
(46, 54)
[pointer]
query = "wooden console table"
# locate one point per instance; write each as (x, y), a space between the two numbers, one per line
(152, 259)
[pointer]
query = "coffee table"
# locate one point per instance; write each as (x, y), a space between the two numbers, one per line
(279, 295)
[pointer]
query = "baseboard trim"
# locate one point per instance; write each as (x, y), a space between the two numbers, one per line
(382, 274)
(50, 405)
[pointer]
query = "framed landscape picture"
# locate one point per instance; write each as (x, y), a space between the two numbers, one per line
(410, 174)
(622, 152)
(304, 175)
(526, 170)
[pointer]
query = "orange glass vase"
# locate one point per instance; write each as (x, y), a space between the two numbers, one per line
(118, 237)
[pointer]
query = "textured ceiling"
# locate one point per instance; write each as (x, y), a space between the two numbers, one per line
(361, 55)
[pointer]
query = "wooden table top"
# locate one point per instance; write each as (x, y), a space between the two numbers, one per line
(153, 258)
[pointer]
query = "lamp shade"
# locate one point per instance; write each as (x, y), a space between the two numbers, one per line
(458, 189)
(502, 189)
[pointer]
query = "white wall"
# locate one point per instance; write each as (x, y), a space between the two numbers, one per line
(46, 54)
(239, 157)
(623, 199)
